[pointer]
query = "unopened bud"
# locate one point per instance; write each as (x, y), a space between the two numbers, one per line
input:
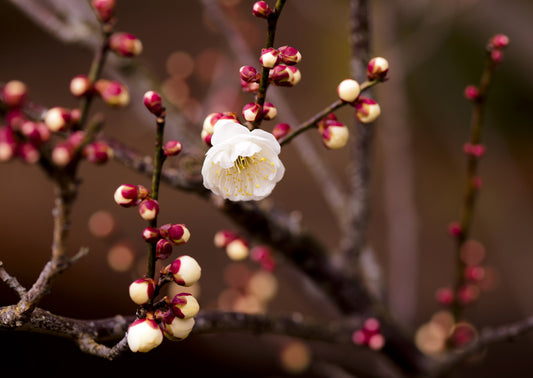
(237, 250)
(8, 143)
(223, 238)
(36, 132)
(471, 93)
(269, 57)
(142, 290)
(476, 150)
(163, 249)
(474, 273)
(348, 90)
(143, 192)
(289, 55)
(185, 306)
(126, 195)
(252, 112)
(455, 230)
(151, 234)
(249, 87)
(178, 329)
(172, 148)
(261, 9)
(496, 55)
(444, 296)
(104, 9)
(176, 233)
(468, 294)
(209, 124)
(57, 118)
(153, 102)
(148, 209)
(366, 109)
(80, 85)
(249, 74)
(185, 270)
(499, 41)
(281, 130)
(285, 76)
(112, 92)
(377, 68)
(335, 135)
(125, 44)
(144, 335)
(98, 152)
(269, 111)
(62, 154)
(14, 93)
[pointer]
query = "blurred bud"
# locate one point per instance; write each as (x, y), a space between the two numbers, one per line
(471, 93)
(467, 294)
(112, 92)
(496, 55)
(57, 119)
(223, 238)
(261, 9)
(376, 342)
(148, 209)
(252, 112)
(444, 296)
(142, 290)
(28, 153)
(172, 148)
(144, 335)
(178, 329)
(36, 132)
(143, 192)
(281, 130)
(163, 249)
(237, 249)
(104, 9)
(263, 255)
(151, 234)
(474, 273)
(126, 195)
(454, 229)
(97, 152)
(269, 57)
(476, 150)
(289, 55)
(125, 44)
(499, 41)
(185, 270)
(249, 74)
(184, 306)
(153, 102)
(366, 109)
(14, 93)
(62, 154)
(377, 68)
(269, 111)
(335, 135)
(80, 86)
(8, 143)
(348, 90)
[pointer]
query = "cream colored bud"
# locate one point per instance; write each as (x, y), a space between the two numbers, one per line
(348, 90)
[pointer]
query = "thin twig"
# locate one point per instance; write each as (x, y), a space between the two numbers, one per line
(11, 281)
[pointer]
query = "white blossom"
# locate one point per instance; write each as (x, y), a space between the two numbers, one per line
(144, 335)
(242, 165)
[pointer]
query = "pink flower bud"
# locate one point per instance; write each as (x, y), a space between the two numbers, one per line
(289, 55)
(444, 296)
(104, 9)
(467, 294)
(175, 233)
(8, 143)
(281, 130)
(377, 68)
(126, 195)
(269, 57)
(125, 44)
(98, 152)
(14, 118)
(496, 56)
(36, 132)
(28, 152)
(285, 76)
(335, 135)
(144, 335)
(151, 234)
(153, 102)
(209, 124)
(249, 74)
(223, 237)
(148, 209)
(163, 249)
(237, 249)
(172, 148)
(252, 112)
(366, 109)
(62, 154)
(474, 273)
(184, 306)
(261, 9)
(348, 90)
(14, 93)
(263, 255)
(112, 92)
(80, 86)
(372, 325)
(499, 41)
(143, 192)
(476, 150)
(359, 337)
(454, 229)
(249, 87)
(185, 270)
(178, 329)
(376, 342)
(269, 111)
(57, 119)
(471, 93)
(142, 290)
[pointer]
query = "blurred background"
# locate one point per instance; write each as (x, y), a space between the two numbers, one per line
(435, 48)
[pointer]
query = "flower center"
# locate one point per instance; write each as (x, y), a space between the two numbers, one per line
(242, 162)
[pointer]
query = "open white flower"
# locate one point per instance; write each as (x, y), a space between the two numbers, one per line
(242, 165)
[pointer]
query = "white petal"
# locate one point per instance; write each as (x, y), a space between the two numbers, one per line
(226, 129)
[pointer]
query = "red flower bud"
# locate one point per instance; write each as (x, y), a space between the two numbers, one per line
(261, 9)
(153, 102)
(112, 92)
(104, 9)
(281, 130)
(14, 93)
(172, 148)
(125, 44)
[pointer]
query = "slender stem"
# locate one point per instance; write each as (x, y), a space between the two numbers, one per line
(271, 33)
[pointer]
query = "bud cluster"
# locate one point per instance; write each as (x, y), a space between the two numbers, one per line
(170, 318)
(495, 47)
(369, 335)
